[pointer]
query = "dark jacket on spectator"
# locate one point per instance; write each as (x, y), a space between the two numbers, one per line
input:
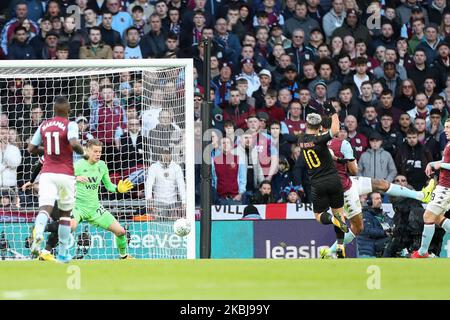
(411, 162)
(20, 51)
(439, 71)
(131, 156)
(238, 114)
(403, 103)
(110, 37)
(372, 240)
(153, 45)
(392, 139)
(350, 109)
(360, 32)
(418, 76)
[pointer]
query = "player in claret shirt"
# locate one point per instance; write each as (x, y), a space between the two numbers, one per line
(440, 199)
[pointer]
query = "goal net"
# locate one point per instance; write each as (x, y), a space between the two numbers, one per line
(142, 111)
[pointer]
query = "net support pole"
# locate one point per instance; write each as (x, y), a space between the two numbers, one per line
(206, 194)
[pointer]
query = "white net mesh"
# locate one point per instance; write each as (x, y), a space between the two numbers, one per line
(139, 115)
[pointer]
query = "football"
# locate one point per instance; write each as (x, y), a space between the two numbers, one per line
(182, 227)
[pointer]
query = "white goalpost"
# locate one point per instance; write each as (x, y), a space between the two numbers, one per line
(146, 124)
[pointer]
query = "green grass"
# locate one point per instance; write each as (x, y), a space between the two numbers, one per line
(227, 279)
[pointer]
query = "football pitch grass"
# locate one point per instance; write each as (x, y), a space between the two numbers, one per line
(255, 279)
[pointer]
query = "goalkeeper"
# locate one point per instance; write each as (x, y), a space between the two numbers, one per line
(88, 174)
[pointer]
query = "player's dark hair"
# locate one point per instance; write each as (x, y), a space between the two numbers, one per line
(62, 107)
(94, 142)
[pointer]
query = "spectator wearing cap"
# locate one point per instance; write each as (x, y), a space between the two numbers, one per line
(426, 139)
(324, 69)
(19, 49)
(237, 110)
(358, 141)
(300, 20)
(263, 120)
(406, 9)
(251, 213)
(229, 175)
(334, 18)
(441, 65)
(248, 73)
(376, 162)
(434, 125)
(411, 160)
(49, 49)
(96, 48)
(392, 139)
(19, 11)
(290, 79)
(316, 38)
(353, 27)
(431, 42)
(271, 107)
(319, 94)
(229, 41)
(222, 83)
(277, 37)
(293, 123)
(265, 79)
(147, 8)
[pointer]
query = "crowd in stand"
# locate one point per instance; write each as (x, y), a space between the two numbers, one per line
(383, 64)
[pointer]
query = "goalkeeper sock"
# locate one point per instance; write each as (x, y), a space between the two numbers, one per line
(427, 235)
(64, 236)
(348, 237)
(122, 245)
(399, 191)
(41, 222)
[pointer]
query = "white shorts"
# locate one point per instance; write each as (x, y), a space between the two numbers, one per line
(352, 204)
(57, 187)
(440, 201)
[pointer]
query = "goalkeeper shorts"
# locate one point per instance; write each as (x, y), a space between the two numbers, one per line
(99, 217)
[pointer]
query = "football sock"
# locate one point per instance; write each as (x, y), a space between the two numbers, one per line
(41, 222)
(122, 245)
(325, 218)
(64, 235)
(399, 191)
(348, 237)
(446, 225)
(339, 235)
(427, 235)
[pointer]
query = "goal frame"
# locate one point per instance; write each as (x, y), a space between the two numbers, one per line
(188, 117)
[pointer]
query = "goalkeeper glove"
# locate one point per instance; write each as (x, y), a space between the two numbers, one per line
(328, 108)
(124, 186)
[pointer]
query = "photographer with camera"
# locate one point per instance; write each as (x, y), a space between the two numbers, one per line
(377, 228)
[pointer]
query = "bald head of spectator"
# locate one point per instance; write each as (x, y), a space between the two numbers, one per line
(351, 123)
